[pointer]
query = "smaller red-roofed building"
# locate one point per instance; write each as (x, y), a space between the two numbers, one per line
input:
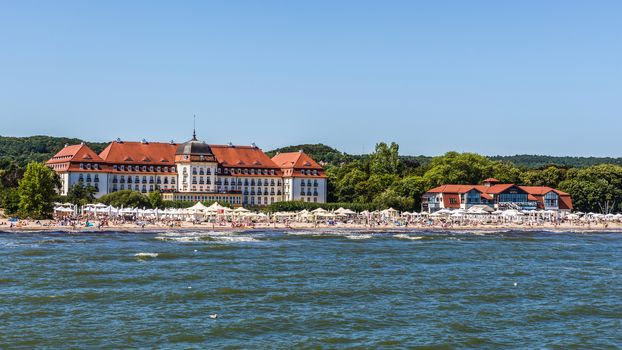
(497, 196)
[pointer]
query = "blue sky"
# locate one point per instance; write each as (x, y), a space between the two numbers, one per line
(494, 77)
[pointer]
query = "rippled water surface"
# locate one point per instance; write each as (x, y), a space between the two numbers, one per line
(274, 289)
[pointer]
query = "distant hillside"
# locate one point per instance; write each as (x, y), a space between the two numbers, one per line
(41, 148)
(539, 161)
(327, 154)
(319, 152)
(37, 148)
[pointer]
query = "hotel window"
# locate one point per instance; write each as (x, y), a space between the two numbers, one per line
(95, 166)
(173, 180)
(513, 197)
(551, 199)
(165, 169)
(208, 171)
(159, 168)
(81, 165)
(245, 171)
(144, 168)
(96, 179)
(144, 179)
(271, 171)
(302, 183)
(226, 171)
(173, 169)
(218, 170)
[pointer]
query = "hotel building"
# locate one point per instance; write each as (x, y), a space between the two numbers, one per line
(193, 171)
(497, 196)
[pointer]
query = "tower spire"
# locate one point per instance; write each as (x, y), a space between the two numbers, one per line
(194, 127)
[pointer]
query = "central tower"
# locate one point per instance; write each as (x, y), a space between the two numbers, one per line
(196, 166)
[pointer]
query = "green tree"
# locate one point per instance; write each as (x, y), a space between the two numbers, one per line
(596, 188)
(81, 194)
(343, 181)
(155, 199)
(9, 200)
(551, 176)
(385, 160)
(412, 187)
(37, 191)
(459, 168)
(391, 199)
(373, 186)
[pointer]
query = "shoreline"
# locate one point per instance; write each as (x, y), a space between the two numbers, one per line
(151, 229)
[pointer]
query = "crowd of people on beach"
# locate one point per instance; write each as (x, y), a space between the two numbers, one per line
(342, 218)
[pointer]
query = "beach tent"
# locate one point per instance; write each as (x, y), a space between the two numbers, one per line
(215, 207)
(318, 211)
(480, 208)
(198, 207)
(241, 210)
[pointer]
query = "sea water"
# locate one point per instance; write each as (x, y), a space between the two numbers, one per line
(313, 289)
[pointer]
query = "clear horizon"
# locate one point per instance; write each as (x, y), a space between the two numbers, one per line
(486, 77)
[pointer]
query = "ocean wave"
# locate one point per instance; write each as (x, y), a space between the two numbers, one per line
(405, 236)
(359, 236)
(146, 255)
(208, 236)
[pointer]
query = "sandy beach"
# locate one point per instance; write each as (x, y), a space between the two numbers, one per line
(52, 226)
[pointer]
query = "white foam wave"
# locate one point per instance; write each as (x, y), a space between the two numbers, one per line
(359, 236)
(234, 239)
(405, 236)
(146, 255)
(206, 236)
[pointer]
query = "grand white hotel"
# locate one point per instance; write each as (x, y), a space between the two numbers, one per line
(193, 171)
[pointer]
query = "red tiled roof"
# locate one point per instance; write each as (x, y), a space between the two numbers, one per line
(242, 157)
(151, 153)
(496, 189)
(295, 160)
(541, 190)
(452, 189)
(75, 153)
(565, 202)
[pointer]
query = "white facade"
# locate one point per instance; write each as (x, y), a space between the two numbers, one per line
(245, 178)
